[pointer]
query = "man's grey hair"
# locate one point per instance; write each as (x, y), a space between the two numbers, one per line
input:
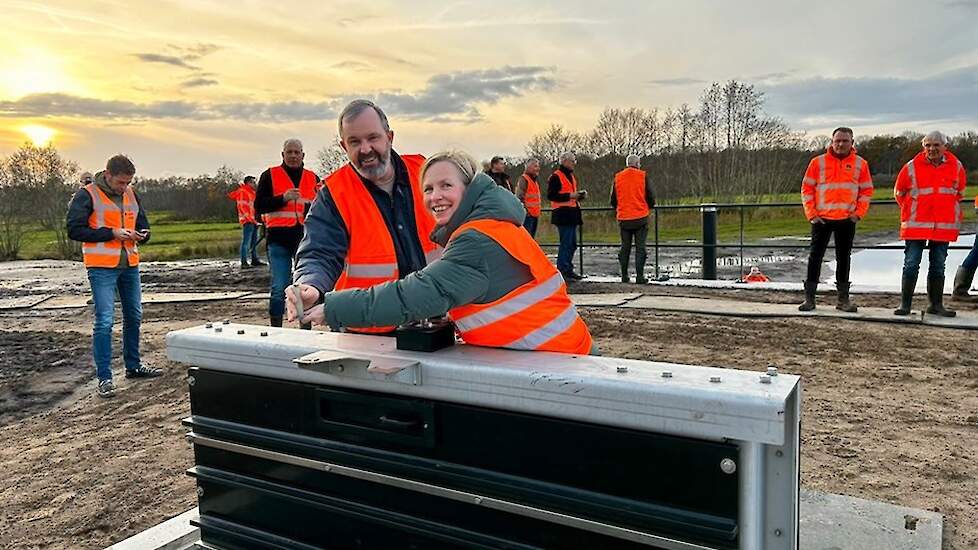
(358, 106)
(632, 160)
(292, 141)
(530, 162)
(566, 155)
(935, 136)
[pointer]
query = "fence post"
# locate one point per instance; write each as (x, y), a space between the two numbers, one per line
(580, 246)
(709, 240)
(655, 218)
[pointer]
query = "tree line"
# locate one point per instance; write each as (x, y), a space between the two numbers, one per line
(726, 147)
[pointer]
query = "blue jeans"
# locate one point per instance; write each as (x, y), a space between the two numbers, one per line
(280, 264)
(568, 243)
(971, 261)
(105, 282)
(530, 223)
(913, 251)
(249, 241)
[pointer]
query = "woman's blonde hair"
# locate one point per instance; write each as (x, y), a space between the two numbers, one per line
(467, 166)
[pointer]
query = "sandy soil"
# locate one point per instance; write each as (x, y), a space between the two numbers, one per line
(890, 411)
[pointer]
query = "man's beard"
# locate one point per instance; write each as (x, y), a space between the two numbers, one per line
(377, 171)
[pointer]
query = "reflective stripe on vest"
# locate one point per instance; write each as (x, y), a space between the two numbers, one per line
(106, 214)
(292, 213)
(566, 186)
(531, 198)
(630, 192)
(371, 258)
(539, 315)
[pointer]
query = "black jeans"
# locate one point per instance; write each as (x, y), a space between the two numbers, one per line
(639, 233)
(845, 231)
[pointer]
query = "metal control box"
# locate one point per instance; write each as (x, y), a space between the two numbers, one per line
(325, 440)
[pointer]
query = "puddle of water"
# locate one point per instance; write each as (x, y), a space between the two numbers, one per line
(884, 268)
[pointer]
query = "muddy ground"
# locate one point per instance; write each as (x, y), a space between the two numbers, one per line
(890, 412)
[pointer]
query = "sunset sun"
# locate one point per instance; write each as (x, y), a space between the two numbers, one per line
(39, 135)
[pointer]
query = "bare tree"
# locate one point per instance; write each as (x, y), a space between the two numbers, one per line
(330, 158)
(44, 176)
(549, 145)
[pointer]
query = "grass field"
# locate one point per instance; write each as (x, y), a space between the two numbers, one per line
(176, 240)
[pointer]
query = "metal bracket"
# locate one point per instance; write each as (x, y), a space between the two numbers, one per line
(337, 363)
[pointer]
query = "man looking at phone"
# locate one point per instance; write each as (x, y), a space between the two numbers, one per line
(563, 194)
(108, 219)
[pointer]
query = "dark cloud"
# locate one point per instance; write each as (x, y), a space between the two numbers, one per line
(450, 97)
(166, 59)
(951, 95)
(675, 81)
(198, 82)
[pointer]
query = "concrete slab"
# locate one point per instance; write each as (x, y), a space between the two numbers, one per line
(737, 308)
(733, 284)
(170, 297)
(613, 299)
(837, 522)
(173, 534)
(22, 302)
(256, 296)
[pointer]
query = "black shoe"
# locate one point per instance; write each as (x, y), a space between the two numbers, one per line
(809, 303)
(255, 262)
(275, 320)
(244, 265)
(641, 281)
(907, 286)
(625, 279)
(575, 276)
(935, 291)
(143, 372)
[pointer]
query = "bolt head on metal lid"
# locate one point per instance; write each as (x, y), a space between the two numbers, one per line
(772, 371)
(218, 329)
(666, 374)
(263, 333)
(226, 322)
(622, 369)
(728, 466)
(209, 325)
(764, 379)
(240, 331)
(715, 379)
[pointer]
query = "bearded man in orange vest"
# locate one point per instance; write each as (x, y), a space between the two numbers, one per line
(368, 225)
(633, 199)
(929, 190)
(528, 191)
(564, 195)
(108, 219)
(835, 193)
(283, 197)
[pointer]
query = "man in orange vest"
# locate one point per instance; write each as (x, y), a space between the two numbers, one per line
(835, 193)
(368, 225)
(283, 197)
(244, 198)
(108, 219)
(563, 194)
(633, 199)
(929, 189)
(528, 191)
(966, 273)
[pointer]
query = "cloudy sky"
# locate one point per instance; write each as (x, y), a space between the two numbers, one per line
(186, 86)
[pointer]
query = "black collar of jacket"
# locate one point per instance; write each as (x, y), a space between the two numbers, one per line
(568, 171)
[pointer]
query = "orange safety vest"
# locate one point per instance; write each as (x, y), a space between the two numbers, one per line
(756, 278)
(105, 213)
(244, 197)
(566, 186)
(630, 191)
(834, 189)
(293, 212)
(930, 198)
(371, 258)
(531, 198)
(536, 316)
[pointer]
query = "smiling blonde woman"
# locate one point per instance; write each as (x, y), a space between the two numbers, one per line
(493, 280)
